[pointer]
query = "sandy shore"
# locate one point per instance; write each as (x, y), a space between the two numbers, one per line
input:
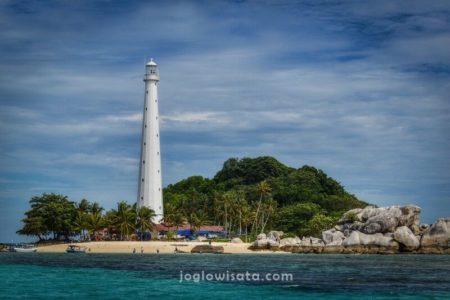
(149, 247)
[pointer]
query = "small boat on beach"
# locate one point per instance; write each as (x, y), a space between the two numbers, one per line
(25, 248)
(76, 249)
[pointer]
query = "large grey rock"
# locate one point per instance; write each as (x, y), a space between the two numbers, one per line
(306, 241)
(352, 239)
(264, 244)
(236, 240)
(207, 249)
(405, 236)
(311, 241)
(261, 236)
(332, 237)
(316, 242)
(387, 219)
(289, 242)
(275, 235)
(358, 238)
(358, 226)
(372, 220)
(351, 216)
(437, 234)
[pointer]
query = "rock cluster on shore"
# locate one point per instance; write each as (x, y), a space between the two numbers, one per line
(384, 230)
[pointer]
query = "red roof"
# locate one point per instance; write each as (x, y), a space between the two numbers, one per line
(163, 227)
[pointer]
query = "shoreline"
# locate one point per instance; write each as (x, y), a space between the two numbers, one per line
(168, 247)
(164, 247)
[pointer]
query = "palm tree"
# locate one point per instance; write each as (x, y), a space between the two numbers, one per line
(169, 214)
(82, 210)
(124, 220)
(109, 222)
(247, 217)
(196, 220)
(95, 207)
(178, 220)
(94, 222)
(84, 206)
(269, 207)
(144, 219)
(263, 190)
(79, 224)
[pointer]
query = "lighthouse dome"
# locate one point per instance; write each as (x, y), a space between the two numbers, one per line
(151, 63)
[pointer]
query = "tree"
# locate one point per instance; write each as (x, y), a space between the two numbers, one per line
(94, 222)
(263, 190)
(319, 223)
(79, 224)
(124, 219)
(33, 226)
(267, 211)
(197, 220)
(144, 219)
(294, 218)
(49, 214)
(178, 220)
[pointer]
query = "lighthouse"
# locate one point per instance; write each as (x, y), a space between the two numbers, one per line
(150, 183)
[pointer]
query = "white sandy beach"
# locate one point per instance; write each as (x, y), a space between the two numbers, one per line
(149, 247)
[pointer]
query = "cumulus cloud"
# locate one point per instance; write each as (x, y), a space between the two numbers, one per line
(359, 89)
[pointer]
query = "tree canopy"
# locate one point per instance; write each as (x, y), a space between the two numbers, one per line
(264, 191)
(247, 196)
(55, 216)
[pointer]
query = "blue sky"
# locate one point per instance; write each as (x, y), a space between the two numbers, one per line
(359, 89)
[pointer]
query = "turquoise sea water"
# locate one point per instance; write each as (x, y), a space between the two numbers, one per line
(128, 276)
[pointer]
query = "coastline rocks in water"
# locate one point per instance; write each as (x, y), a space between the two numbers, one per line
(406, 237)
(275, 235)
(236, 240)
(437, 234)
(264, 244)
(312, 241)
(207, 249)
(357, 238)
(372, 220)
(290, 241)
(333, 237)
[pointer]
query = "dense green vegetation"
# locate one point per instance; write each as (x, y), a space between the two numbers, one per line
(56, 217)
(248, 196)
(253, 195)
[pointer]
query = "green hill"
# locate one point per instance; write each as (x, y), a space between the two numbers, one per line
(251, 195)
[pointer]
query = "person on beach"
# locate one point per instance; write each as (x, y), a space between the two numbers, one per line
(134, 250)
(157, 250)
(142, 250)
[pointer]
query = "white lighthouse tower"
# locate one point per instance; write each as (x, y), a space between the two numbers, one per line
(150, 183)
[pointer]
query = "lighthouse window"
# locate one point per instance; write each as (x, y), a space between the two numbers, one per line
(156, 117)
(142, 198)
(145, 126)
(145, 143)
(146, 108)
(158, 153)
(157, 135)
(143, 161)
(146, 92)
(159, 189)
(156, 100)
(158, 171)
(142, 179)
